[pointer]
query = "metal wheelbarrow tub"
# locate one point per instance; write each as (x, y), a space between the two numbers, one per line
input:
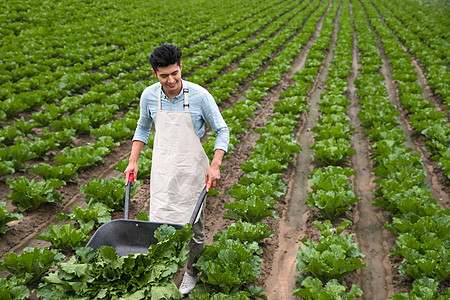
(134, 236)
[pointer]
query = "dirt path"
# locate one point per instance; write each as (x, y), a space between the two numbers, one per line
(293, 224)
(370, 234)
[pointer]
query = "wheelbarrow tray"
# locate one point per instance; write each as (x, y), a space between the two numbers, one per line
(134, 236)
(127, 236)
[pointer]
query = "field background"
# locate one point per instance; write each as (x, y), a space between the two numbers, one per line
(94, 53)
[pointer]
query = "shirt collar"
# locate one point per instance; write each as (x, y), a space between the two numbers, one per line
(176, 97)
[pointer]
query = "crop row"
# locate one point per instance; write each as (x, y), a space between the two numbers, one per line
(256, 193)
(431, 20)
(423, 116)
(432, 51)
(59, 71)
(401, 188)
(335, 254)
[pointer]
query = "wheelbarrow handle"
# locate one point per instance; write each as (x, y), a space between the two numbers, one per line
(127, 195)
(198, 205)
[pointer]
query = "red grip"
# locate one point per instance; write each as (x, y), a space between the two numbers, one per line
(131, 177)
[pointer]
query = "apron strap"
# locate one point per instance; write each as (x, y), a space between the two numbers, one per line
(186, 102)
(159, 98)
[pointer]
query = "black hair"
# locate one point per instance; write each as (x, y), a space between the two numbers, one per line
(164, 56)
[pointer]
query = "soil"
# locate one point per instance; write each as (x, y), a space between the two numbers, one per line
(379, 280)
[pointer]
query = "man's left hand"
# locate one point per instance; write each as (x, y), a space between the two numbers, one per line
(213, 172)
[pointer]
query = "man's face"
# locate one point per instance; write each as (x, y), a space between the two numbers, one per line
(170, 78)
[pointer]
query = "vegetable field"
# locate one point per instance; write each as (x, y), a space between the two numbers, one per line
(337, 180)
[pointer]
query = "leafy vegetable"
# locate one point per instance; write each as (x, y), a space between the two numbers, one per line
(314, 290)
(30, 195)
(31, 264)
(97, 213)
(18, 155)
(144, 163)
(253, 209)
(6, 167)
(203, 292)
(12, 289)
(332, 151)
(109, 192)
(64, 172)
(65, 237)
(101, 273)
(332, 203)
(332, 257)
(83, 156)
(245, 232)
(425, 289)
(228, 264)
(6, 217)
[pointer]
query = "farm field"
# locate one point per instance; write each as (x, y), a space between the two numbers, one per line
(338, 110)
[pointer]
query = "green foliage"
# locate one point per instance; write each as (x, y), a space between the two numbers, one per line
(260, 185)
(6, 167)
(253, 209)
(31, 264)
(331, 177)
(314, 290)
(6, 217)
(332, 151)
(144, 163)
(13, 289)
(205, 292)
(66, 237)
(142, 216)
(328, 131)
(423, 242)
(100, 273)
(332, 194)
(333, 257)
(8, 134)
(444, 162)
(30, 195)
(64, 172)
(82, 157)
(423, 289)
(332, 203)
(18, 155)
(295, 104)
(96, 213)
(228, 264)
(109, 192)
(245, 232)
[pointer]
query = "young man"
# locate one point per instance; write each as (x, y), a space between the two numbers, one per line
(180, 167)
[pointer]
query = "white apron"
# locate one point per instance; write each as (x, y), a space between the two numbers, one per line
(179, 165)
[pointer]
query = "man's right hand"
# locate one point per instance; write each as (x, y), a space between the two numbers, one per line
(132, 168)
(132, 164)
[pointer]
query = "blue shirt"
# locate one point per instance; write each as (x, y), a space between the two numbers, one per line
(202, 107)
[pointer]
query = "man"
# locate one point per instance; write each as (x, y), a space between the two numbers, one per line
(180, 167)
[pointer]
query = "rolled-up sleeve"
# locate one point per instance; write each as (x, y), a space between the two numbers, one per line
(213, 117)
(145, 119)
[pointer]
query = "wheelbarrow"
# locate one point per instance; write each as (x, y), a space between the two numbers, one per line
(134, 236)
